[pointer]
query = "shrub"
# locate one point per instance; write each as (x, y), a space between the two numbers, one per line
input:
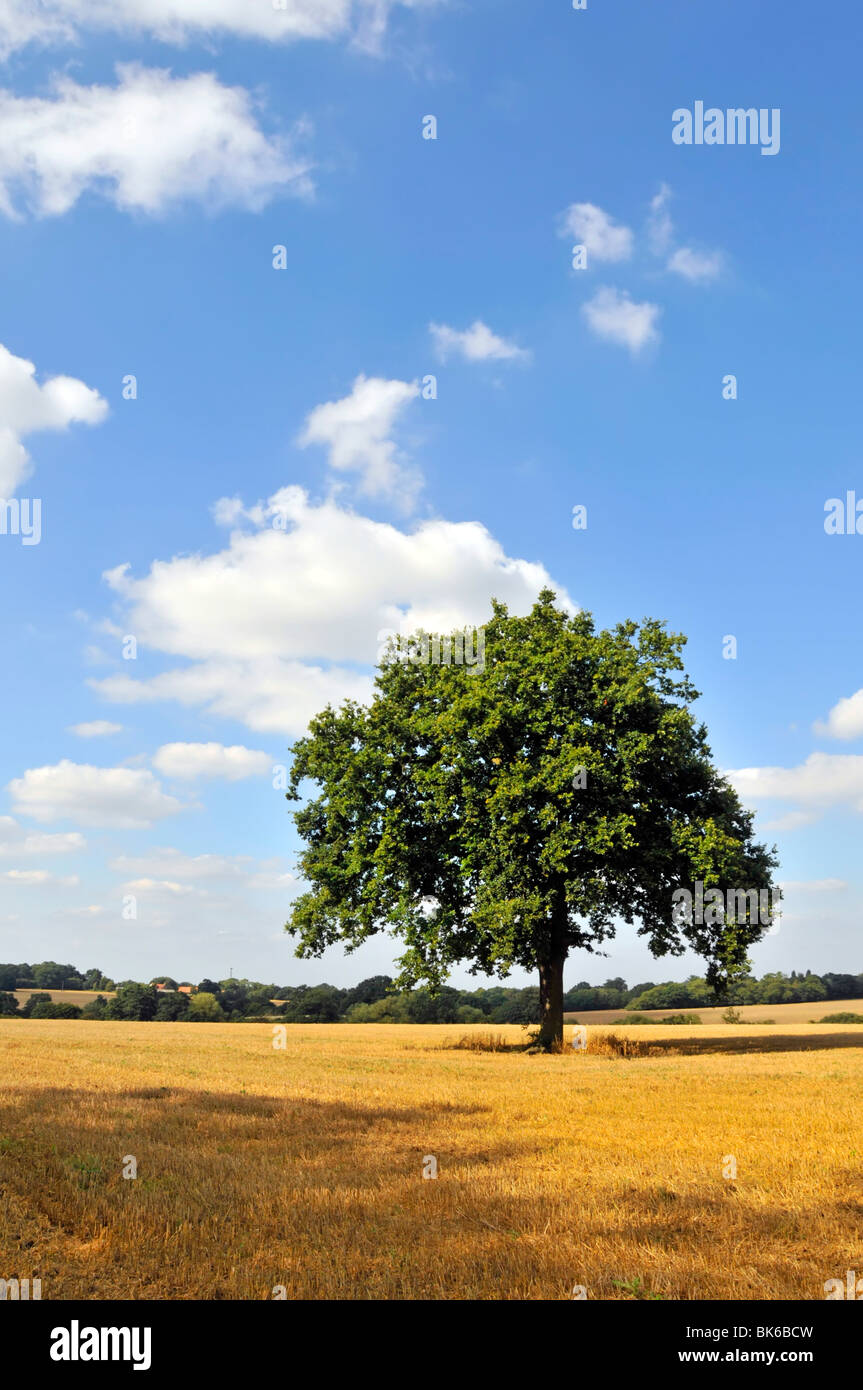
(51, 1010)
(840, 1018)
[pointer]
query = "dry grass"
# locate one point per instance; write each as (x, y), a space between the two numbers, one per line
(749, 1013)
(303, 1167)
(65, 996)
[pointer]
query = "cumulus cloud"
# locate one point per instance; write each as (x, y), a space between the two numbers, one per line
(177, 21)
(845, 720)
(357, 430)
(275, 626)
(121, 798)
(695, 266)
(692, 265)
(37, 878)
(475, 344)
(174, 865)
(95, 728)
(146, 144)
(159, 886)
(188, 761)
(18, 842)
(612, 315)
(603, 238)
(823, 781)
(26, 408)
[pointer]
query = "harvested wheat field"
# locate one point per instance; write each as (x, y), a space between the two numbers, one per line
(303, 1167)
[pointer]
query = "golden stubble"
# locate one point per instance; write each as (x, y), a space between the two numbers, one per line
(302, 1167)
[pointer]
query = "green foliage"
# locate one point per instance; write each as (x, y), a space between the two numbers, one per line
(32, 1002)
(445, 812)
(205, 1008)
(50, 1010)
(171, 1008)
(842, 1018)
(96, 1009)
(8, 1004)
(133, 1002)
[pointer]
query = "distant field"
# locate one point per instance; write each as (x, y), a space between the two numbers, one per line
(65, 996)
(303, 1167)
(755, 1013)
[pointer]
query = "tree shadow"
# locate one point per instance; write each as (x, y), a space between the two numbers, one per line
(776, 1042)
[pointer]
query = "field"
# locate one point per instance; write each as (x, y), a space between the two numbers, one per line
(749, 1013)
(303, 1167)
(65, 996)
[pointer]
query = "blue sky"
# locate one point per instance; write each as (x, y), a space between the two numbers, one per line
(140, 206)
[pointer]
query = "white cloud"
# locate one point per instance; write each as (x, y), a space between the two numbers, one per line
(159, 886)
(604, 239)
(121, 798)
(177, 21)
(794, 820)
(696, 265)
(274, 624)
(175, 866)
(148, 143)
(475, 344)
(845, 720)
(37, 878)
(660, 228)
(357, 431)
(96, 728)
(211, 760)
(26, 408)
(612, 315)
(16, 841)
(825, 780)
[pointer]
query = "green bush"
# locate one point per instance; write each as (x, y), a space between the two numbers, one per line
(840, 1018)
(49, 1010)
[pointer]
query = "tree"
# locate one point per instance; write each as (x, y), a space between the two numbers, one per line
(133, 1002)
(507, 814)
(49, 975)
(171, 1008)
(8, 1005)
(34, 1001)
(204, 1007)
(97, 1008)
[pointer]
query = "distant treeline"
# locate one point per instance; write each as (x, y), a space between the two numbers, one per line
(375, 1000)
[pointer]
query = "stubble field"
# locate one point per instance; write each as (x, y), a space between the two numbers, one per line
(303, 1167)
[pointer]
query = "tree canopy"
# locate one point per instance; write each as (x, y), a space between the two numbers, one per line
(506, 813)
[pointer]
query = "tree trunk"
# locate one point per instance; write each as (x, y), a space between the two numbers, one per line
(551, 1001)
